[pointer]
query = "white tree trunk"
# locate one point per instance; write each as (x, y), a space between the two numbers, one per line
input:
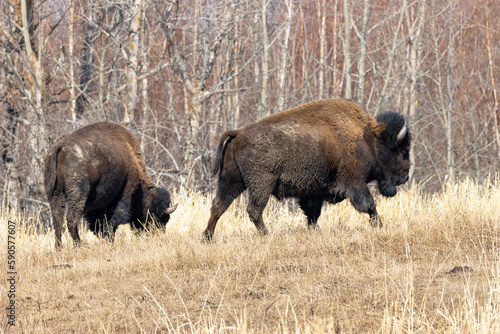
(284, 56)
(265, 60)
(392, 55)
(414, 43)
(493, 85)
(362, 56)
(450, 157)
(133, 84)
(347, 50)
(71, 42)
(322, 45)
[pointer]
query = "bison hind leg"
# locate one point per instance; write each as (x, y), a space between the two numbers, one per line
(258, 196)
(312, 209)
(57, 211)
(73, 216)
(227, 192)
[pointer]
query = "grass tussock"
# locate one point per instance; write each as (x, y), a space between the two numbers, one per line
(344, 278)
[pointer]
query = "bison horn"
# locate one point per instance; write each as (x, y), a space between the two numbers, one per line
(171, 209)
(402, 133)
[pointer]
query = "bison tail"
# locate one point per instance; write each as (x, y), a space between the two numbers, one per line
(50, 171)
(219, 158)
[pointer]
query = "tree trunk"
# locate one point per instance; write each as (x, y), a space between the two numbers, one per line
(87, 70)
(493, 86)
(321, 8)
(71, 42)
(347, 50)
(392, 54)
(450, 158)
(414, 59)
(284, 56)
(362, 56)
(132, 68)
(265, 61)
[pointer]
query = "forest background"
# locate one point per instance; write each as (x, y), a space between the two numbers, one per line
(179, 73)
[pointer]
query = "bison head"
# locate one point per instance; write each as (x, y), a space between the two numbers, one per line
(161, 208)
(394, 153)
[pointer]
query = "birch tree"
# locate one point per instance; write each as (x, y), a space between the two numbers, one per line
(265, 60)
(133, 61)
(284, 55)
(415, 22)
(195, 75)
(87, 69)
(347, 50)
(321, 14)
(448, 107)
(495, 110)
(71, 43)
(362, 35)
(391, 54)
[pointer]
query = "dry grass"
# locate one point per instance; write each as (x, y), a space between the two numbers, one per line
(344, 278)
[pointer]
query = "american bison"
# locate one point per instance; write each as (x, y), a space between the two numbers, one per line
(98, 173)
(322, 151)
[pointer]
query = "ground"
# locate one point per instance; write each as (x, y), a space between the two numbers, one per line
(346, 277)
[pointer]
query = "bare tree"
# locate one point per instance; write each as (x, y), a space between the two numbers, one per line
(214, 34)
(362, 56)
(321, 10)
(284, 55)
(414, 22)
(87, 69)
(133, 61)
(492, 78)
(450, 158)
(265, 60)
(391, 54)
(347, 50)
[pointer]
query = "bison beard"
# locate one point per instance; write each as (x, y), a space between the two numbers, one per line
(98, 173)
(322, 151)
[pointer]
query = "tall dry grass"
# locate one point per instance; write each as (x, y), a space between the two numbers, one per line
(344, 278)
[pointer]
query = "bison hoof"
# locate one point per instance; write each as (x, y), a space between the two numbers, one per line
(376, 222)
(207, 237)
(313, 227)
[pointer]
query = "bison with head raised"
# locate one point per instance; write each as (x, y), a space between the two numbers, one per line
(98, 173)
(322, 151)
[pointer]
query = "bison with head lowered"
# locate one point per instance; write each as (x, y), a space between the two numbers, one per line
(322, 151)
(98, 173)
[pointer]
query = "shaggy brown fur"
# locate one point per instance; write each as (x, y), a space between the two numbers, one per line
(326, 150)
(98, 172)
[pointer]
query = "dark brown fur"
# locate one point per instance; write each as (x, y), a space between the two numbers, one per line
(326, 150)
(98, 172)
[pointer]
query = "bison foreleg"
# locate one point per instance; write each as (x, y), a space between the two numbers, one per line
(312, 209)
(120, 215)
(375, 220)
(363, 201)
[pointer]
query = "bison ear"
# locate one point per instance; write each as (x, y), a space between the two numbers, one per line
(390, 138)
(396, 130)
(171, 209)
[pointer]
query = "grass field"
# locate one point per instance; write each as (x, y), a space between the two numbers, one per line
(344, 278)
